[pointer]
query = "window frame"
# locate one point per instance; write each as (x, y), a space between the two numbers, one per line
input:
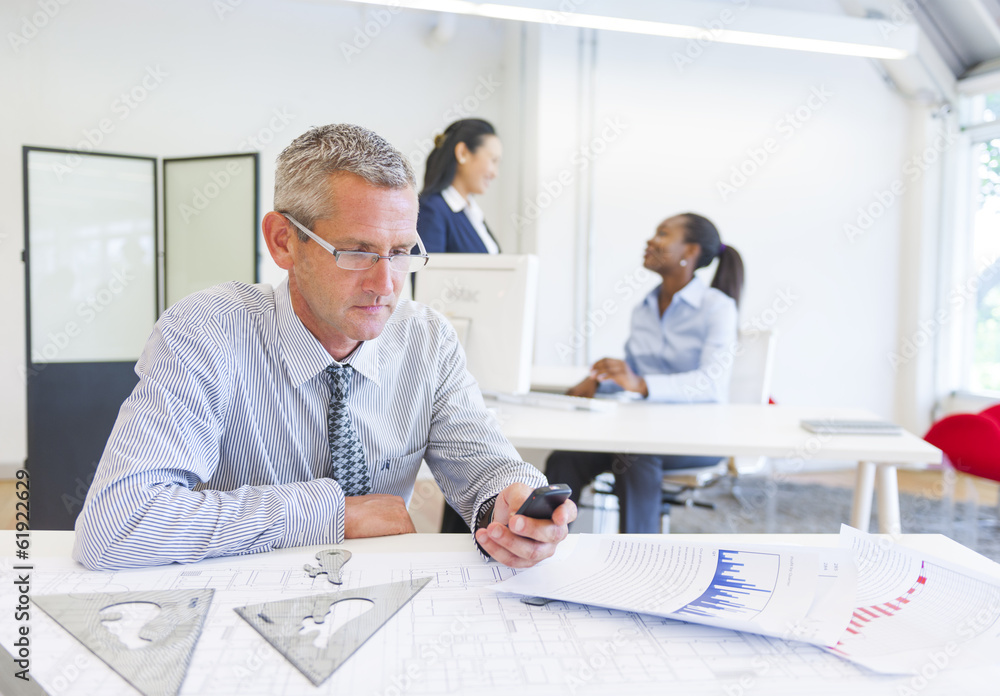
(956, 346)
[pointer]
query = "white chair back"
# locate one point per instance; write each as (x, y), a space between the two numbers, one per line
(752, 368)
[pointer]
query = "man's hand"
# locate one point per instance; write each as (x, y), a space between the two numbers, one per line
(518, 541)
(619, 372)
(376, 515)
(587, 388)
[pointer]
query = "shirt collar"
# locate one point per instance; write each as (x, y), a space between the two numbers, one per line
(304, 356)
(364, 359)
(692, 294)
(454, 199)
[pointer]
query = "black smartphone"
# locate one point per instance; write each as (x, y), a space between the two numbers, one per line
(543, 501)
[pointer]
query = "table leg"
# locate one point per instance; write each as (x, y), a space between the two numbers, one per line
(888, 500)
(864, 489)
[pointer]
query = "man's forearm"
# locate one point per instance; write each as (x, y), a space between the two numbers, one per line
(169, 523)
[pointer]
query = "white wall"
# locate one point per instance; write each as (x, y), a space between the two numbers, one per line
(265, 70)
(683, 132)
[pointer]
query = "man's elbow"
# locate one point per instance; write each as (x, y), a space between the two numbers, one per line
(97, 546)
(91, 562)
(90, 555)
(90, 552)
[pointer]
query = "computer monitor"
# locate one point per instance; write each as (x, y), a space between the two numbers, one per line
(490, 299)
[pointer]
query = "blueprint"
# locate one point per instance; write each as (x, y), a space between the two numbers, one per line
(454, 637)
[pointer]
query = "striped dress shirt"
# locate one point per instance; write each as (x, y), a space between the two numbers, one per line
(222, 447)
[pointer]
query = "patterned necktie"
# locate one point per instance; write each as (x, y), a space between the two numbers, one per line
(347, 465)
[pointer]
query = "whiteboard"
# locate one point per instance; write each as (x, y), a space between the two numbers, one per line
(210, 222)
(91, 243)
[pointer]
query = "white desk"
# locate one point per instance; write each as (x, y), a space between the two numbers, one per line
(454, 636)
(730, 430)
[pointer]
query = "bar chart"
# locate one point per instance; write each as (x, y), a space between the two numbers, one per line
(743, 584)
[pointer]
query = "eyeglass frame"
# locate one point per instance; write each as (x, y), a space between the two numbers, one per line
(370, 254)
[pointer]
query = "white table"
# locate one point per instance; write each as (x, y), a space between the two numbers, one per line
(730, 430)
(464, 633)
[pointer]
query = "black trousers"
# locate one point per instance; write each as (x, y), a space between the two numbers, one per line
(638, 481)
(452, 522)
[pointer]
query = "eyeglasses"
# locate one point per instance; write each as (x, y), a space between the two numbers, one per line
(363, 260)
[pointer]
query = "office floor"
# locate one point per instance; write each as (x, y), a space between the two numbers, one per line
(425, 507)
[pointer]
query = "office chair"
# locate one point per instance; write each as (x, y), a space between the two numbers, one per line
(749, 383)
(971, 446)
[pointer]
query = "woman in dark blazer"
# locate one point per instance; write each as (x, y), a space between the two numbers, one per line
(465, 159)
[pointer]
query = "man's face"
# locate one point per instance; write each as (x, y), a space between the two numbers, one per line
(339, 306)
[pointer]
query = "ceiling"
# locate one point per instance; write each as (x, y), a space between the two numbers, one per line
(965, 33)
(958, 50)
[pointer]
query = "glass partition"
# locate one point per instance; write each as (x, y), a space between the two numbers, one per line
(209, 222)
(90, 236)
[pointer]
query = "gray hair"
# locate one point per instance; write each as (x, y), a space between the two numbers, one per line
(301, 179)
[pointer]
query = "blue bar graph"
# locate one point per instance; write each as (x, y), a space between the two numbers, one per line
(743, 584)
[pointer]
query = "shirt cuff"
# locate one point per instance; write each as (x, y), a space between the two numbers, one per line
(313, 513)
(483, 519)
(659, 388)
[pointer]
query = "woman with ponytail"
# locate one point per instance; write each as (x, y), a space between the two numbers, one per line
(465, 159)
(679, 350)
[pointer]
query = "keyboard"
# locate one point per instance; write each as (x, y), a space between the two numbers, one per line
(562, 402)
(834, 426)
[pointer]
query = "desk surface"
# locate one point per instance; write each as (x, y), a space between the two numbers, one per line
(708, 429)
(455, 636)
(59, 545)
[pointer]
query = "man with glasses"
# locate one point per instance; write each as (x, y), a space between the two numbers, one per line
(297, 415)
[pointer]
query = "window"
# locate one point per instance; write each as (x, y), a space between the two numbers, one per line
(985, 218)
(982, 246)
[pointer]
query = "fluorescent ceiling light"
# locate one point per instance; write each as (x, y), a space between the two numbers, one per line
(770, 28)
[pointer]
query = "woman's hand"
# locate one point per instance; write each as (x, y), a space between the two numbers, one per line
(620, 373)
(587, 388)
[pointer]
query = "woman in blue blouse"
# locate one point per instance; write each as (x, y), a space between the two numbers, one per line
(679, 350)
(465, 159)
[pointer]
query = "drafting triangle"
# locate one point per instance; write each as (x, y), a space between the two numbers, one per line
(155, 670)
(280, 624)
